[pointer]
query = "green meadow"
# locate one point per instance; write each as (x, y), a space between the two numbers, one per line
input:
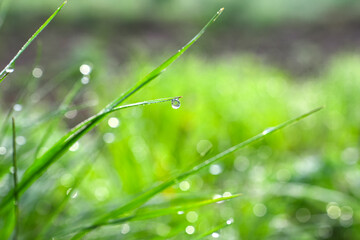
(174, 143)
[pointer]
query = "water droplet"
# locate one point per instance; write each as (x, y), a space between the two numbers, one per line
(75, 194)
(215, 235)
(113, 122)
(216, 196)
(190, 230)
(259, 210)
(2, 150)
(68, 191)
(230, 221)
(21, 140)
(37, 72)
(184, 186)
(268, 130)
(85, 69)
(109, 137)
(74, 147)
(125, 228)
(71, 114)
(227, 194)
(180, 212)
(175, 103)
(333, 210)
(12, 170)
(203, 147)
(215, 169)
(17, 107)
(192, 216)
(9, 70)
(85, 80)
(102, 193)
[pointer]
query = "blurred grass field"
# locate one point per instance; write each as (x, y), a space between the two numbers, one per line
(300, 183)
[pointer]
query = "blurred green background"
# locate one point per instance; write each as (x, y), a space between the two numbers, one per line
(262, 63)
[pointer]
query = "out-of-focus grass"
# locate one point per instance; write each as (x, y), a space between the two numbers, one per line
(261, 12)
(303, 180)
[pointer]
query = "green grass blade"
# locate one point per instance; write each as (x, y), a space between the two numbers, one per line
(149, 214)
(41, 164)
(162, 68)
(15, 177)
(215, 229)
(9, 68)
(144, 197)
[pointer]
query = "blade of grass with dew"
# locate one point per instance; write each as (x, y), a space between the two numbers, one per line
(145, 214)
(10, 67)
(15, 177)
(144, 197)
(41, 164)
(215, 229)
(61, 146)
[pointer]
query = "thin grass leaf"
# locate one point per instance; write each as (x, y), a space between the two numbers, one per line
(150, 214)
(162, 68)
(215, 229)
(144, 197)
(15, 177)
(10, 67)
(41, 164)
(61, 146)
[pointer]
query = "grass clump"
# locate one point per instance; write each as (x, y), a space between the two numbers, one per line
(100, 189)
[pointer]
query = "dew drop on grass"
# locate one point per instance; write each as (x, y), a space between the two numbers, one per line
(175, 103)
(230, 221)
(259, 210)
(17, 107)
(113, 122)
(9, 70)
(20, 140)
(192, 216)
(184, 186)
(215, 235)
(3, 150)
(74, 147)
(37, 72)
(125, 228)
(85, 69)
(190, 230)
(268, 130)
(85, 80)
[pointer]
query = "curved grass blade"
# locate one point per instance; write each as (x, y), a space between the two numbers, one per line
(149, 214)
(9, 68)
(144, 197)
(41, 164)
(61, 146)
(162, 68)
